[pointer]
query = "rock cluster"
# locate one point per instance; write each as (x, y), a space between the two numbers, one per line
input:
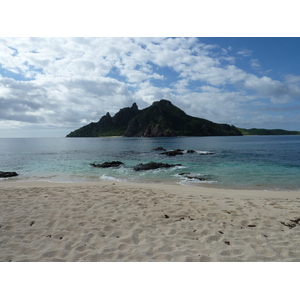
(139, 167)
(180, 152)
(153, 166)
(173, 152)
(7, 174)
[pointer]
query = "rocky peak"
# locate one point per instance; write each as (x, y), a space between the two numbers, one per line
(134, 107)
(162, 102)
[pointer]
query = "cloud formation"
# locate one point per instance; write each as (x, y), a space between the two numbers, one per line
(69, 82)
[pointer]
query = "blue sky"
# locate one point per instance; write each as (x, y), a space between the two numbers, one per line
(51, 86)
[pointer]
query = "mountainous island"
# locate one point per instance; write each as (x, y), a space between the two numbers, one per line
(163, 119)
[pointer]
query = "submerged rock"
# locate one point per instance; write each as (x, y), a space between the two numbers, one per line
(7, 174)
(152, 166)
(191, 151)
(111, 164)
(173, 152)
(159, 149)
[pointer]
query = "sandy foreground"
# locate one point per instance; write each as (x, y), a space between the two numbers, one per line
(112, 221)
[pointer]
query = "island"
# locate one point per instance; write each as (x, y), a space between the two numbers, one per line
(161, 119)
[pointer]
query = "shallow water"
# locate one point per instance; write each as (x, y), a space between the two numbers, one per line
(251, 162)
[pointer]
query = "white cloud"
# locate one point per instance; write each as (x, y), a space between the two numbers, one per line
(245, 52)
(181, 86)
(292, 79)
(275, 90)
(149, 93)
(60, 100)
(210, 89)
(255, 64)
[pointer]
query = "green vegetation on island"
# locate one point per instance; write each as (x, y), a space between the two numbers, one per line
(161, 119)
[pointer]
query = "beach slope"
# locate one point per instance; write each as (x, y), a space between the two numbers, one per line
(112, 221)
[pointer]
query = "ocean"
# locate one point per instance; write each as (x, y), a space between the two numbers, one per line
(239, 162)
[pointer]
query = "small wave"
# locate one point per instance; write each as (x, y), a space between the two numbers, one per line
(7, 178)
(190, 178)
(110, 178)
(194, 182)
(179, 167)
(204, 152)
(123, 170)
(166, 170)
(201, 152)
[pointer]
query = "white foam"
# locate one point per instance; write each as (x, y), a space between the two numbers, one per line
(187, 181)
(201, 152)
(204, 152)
(109, 178)
(180, 167)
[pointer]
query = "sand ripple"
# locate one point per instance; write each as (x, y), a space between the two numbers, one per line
(127, 222)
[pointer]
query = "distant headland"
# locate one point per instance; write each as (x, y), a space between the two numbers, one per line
(261, 131)
(161, 119)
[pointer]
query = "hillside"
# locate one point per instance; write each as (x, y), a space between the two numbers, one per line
(107, 125)
(161, 119)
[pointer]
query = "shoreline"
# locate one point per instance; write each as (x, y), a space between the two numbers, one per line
(181, 190)
(171, 182)
(163, 185)
(116, 221)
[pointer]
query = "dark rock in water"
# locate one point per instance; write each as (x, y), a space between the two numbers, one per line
(111, 164)
(191, 151)
(152, 166)
(159, 149)
(173, 152)
(8, 174)
(197, 177)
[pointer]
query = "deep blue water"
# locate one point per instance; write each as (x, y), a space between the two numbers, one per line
(252, 162)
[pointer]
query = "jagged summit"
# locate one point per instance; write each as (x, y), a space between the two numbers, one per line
(161, 119)
(162, 102)
(134, 106)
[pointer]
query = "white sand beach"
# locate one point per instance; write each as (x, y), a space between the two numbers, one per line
(134, 222)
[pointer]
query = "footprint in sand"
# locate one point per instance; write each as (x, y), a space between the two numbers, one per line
(123, 247)
(135, 238)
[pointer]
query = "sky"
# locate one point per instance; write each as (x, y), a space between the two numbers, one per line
(50, 86)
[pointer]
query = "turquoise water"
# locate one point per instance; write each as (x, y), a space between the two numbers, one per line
(251, 162)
